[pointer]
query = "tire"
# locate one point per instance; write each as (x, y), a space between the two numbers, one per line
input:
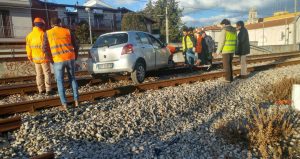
(95, 76)
(139, 73)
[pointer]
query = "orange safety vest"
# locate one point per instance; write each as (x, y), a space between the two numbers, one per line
(34, 42)
(199, 44)
(60, 44)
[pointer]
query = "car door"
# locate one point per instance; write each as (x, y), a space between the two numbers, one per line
(148, 51)
(162, 55)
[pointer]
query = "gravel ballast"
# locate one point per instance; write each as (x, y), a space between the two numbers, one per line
(174, 122)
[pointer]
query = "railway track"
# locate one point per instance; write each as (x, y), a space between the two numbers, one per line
(10, 124)
(48, 155)
(235, 62)
(31, 106)
(31, 87)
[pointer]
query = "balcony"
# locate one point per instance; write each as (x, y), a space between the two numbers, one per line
(97, 24)
(6, 28)
(6, 32)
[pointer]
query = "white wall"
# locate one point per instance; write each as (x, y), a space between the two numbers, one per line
(214, 34)
(18, 3)
(21, 21)
(297, 31)
(61, 12)
(84, 15)
(278, 35)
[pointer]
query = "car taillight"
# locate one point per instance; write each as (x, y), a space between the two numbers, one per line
(127, 49)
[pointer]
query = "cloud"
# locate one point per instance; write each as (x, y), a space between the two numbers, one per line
(191, 21)
(228, 5)
(231, 9)
(121, 2)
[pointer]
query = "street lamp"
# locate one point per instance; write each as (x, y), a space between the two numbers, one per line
(90, 26)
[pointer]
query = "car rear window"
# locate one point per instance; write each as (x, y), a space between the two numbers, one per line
(111, 40)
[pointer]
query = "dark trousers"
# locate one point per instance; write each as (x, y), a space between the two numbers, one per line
(227, 66)
(203, 58)
(209, 58)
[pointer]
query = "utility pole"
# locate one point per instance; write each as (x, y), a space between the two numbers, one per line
(167, 24)
(47, 14)
(90, 26)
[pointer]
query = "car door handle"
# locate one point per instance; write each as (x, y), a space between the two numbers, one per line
(143, 47)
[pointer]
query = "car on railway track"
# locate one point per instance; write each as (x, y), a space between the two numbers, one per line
(125, 52)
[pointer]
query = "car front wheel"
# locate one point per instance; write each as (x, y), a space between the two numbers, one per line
(138, 75)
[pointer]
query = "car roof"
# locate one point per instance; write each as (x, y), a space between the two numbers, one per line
(128, 32)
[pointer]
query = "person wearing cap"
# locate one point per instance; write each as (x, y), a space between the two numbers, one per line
(243, 47)
(227, 46)
(188, 46)
(34, 41)
(60, 45)
(209, 47)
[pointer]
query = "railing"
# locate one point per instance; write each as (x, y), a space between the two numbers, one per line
(6, 28)
(6, 32)
(105, 24)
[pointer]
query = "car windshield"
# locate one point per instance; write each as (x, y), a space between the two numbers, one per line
(111, 40)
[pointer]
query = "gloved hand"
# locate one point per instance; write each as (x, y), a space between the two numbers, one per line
(194, 49)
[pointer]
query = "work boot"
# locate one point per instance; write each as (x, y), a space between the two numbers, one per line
(242, 76)
(41, 92)
(76, 103)
(48, 93)
(63, 108)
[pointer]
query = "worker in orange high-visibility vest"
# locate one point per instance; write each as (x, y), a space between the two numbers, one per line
(61, 46)
(34, 42)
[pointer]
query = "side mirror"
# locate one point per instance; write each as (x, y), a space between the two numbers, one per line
(164, 45)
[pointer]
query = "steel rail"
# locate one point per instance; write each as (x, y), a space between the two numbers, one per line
(30, 78)
(218, 60)
(31, 106)
(10, 124)
(31, 87)
(48, 155)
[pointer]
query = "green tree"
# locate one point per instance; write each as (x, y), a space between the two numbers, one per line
(157, 12)
(82, 32)
(149, 10)
(133, 21)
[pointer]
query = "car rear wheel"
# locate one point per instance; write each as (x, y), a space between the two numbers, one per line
(139, 73)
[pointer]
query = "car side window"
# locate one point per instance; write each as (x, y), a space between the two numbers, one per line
(155, 42)
(138, 39)
(144, 38)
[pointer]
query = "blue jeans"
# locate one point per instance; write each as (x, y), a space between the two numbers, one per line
(59, 70)
(190, 56)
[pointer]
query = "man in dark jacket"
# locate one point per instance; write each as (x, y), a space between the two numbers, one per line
(210, 47)
(243, 47)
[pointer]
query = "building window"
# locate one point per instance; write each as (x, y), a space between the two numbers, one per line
(6, 30)
(98, 20)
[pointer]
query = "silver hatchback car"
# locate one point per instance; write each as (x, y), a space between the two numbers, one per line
(131, 52)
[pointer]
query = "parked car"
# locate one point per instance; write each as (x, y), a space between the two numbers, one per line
(131, 52)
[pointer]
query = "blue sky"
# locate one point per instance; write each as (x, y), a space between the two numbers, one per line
(208, 12)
